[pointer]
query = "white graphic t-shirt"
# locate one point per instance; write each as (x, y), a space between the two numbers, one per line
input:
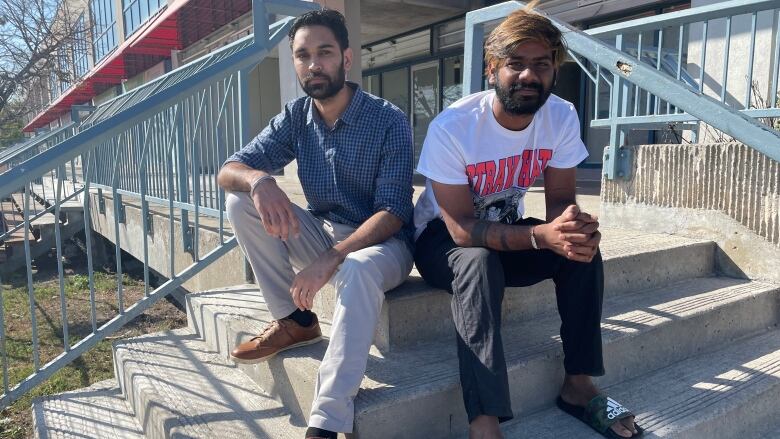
(466, 145)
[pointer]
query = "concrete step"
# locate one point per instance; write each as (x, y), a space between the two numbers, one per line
(9, 206)
(415, 312)
(632, 261)
(178, 387)
(97, 411)
(71, 211)
(47, 192)
(45, 221)
(730, 393)
(419, 388)
(765, 432)
(11, 218)
(42, 236)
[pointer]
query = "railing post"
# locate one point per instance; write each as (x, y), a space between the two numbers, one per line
(243, 129)
(184, 185)
(616, 157)
(772, 98)
(472, 57)
(260, 23)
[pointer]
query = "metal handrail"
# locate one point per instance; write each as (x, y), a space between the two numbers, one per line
(17, 150)
(150, 139)
(684, 23)
(626, 70)
(693, 15)
(117, 116)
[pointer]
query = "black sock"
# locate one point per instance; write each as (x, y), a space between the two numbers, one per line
(303, 318)
(319, 432)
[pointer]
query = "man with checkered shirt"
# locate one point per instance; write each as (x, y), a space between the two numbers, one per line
(354, 154)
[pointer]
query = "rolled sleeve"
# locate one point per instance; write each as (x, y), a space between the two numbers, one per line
(272, 149)
(394, 180)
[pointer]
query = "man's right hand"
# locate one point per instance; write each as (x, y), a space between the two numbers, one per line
(574, 234)
(275, 210)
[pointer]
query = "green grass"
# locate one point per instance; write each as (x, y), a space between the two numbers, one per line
(96, 364)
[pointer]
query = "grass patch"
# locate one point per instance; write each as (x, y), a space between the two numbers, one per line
(94, 365)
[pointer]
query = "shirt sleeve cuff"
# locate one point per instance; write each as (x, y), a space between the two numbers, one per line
(403, 214)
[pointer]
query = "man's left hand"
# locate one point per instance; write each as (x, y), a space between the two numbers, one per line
(581, 234)
(308, 281)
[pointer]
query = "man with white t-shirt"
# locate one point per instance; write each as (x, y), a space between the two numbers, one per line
(480, 156)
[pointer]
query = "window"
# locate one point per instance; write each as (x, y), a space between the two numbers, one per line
(104, 24)
(397, 49)
(452, 88)
(425, 101)
(80, 52)
(64, 67)
(450, 35)
(136, 12)
(54, 90)
(371, 84)
(395, 88)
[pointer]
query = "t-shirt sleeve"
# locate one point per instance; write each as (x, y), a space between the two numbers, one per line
(441, 159)
(570, 150)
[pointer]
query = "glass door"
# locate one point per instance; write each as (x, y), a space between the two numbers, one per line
(425, 101)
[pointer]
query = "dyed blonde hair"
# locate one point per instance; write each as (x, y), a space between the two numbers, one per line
(520, 27)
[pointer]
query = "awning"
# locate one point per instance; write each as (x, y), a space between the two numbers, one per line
(176, 26)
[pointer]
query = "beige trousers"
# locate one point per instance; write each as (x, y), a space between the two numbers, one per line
(360, 284)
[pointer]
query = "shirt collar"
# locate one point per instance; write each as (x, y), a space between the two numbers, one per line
(349, 116)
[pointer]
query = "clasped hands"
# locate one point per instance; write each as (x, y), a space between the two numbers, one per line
(573, 234)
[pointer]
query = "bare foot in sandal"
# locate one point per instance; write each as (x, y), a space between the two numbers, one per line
(485, 427)
(579, 391)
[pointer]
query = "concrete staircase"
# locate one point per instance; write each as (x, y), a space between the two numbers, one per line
(10, 218)
(42, 232)
(692, 353)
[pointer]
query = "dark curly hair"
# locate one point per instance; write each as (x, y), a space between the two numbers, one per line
(329, 18)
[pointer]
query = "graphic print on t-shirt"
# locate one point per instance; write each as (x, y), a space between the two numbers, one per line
(498, 188)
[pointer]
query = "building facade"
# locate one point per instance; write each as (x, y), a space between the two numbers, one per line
(410, 52)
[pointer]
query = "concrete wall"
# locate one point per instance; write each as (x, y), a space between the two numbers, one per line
(725, 192)
(264, 94)
(226, 271)
(737, 83)
(142, 78)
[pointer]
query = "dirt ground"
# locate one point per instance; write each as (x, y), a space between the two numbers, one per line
(96, 364)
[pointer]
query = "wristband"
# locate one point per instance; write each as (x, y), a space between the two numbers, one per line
(257, 181)
(533, 239)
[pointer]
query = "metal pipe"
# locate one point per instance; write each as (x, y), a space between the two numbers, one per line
(60, 271)
(727, 43)
(750, 60)
(30, 288)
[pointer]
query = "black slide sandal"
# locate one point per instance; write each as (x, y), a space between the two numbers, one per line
(600, 414)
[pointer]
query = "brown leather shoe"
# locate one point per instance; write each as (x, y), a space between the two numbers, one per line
(280, 335)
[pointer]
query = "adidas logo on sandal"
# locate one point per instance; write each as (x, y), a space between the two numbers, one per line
(614, 408)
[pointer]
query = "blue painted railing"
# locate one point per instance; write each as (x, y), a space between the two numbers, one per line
(161, 144)
(649, 86)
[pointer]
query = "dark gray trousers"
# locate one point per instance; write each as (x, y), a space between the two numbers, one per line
(476, 278)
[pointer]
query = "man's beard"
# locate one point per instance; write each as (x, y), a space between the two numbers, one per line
(327, 89)
(521, 105)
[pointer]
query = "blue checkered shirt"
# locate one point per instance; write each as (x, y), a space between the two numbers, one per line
(361, 166)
